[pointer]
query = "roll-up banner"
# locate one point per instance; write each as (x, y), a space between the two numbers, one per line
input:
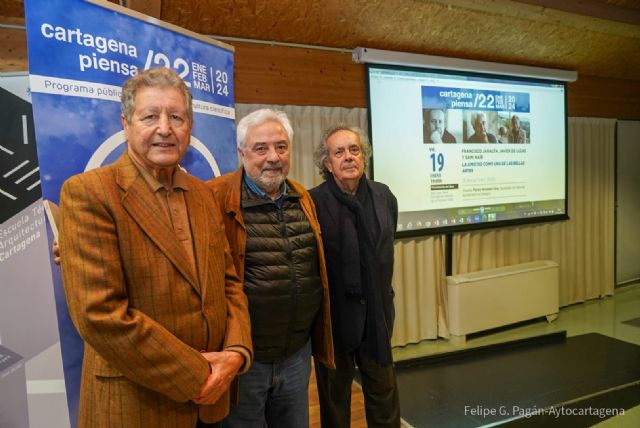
(32, 391)
(80, 54)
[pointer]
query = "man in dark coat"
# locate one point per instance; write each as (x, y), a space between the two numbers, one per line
(358, 219)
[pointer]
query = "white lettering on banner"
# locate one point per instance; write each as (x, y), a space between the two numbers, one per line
(16, 237)
(78, 88)
(101, 44)
(75, 88)
(213, 109)
(104, 64)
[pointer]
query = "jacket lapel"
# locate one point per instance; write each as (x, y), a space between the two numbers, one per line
(146, 211)
(200, 232)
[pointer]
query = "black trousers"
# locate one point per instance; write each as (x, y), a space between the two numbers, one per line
(379, 387)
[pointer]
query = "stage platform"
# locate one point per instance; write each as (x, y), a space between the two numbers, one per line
(548, 380)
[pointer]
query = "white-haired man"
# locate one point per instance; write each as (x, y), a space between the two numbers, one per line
(481, 134)
(273, 230)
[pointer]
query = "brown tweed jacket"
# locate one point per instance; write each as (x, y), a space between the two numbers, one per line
(142, 310)
(226, 191)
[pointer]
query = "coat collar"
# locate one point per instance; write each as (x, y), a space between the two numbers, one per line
(379, 203)
(146, 211)
(232, 200)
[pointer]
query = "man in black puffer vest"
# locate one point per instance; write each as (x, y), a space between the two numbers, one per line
(274, 234)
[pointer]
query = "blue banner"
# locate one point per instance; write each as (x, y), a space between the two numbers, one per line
(80, 54)
(474, 99)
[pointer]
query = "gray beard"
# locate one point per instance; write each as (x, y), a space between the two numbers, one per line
(268, 185)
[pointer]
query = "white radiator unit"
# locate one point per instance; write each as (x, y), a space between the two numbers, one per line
(497, 297)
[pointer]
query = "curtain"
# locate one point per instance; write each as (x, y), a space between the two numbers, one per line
(419, 284)
(583, 246)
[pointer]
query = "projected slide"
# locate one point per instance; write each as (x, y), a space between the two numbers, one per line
(466, 151)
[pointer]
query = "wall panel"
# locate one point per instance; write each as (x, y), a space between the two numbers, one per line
(274, 74)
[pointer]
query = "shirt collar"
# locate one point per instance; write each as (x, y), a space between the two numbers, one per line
(179, 179)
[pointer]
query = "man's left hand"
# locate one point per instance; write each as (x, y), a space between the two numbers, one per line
(224, 367)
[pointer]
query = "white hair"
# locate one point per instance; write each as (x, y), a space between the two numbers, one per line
(259, 117)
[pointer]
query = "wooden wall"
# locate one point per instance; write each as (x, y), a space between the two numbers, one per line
(273, 74)
(13, 46)
(283, 75)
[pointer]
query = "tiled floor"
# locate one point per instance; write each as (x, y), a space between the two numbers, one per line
(605, 316)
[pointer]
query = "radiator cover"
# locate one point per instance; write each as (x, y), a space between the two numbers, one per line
(497, 297)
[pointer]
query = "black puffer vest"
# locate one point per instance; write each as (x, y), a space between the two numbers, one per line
(281, 278)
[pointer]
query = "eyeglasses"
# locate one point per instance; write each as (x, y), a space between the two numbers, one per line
(354, 150)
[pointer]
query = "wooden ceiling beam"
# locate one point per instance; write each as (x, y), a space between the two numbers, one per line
(148, 7)
(592, 8)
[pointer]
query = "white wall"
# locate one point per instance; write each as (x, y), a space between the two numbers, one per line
(628, 202)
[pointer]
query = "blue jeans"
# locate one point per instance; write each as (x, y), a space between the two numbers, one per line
(274, 394)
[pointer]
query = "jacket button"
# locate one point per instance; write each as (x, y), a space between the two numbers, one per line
(205, 311)
(363, 301)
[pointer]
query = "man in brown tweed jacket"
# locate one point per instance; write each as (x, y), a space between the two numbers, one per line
(148, 276)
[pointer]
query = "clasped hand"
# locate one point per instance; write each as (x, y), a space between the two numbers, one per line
(224, 367)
